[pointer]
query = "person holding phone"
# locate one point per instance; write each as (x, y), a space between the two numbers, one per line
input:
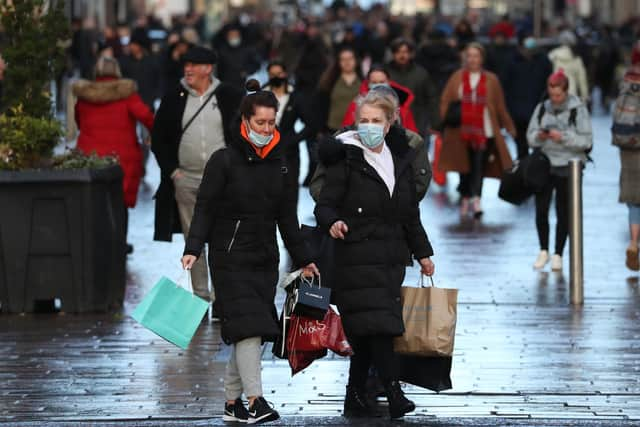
(561, 128)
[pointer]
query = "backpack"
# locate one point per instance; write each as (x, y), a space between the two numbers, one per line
(573, 115)
(626, 117)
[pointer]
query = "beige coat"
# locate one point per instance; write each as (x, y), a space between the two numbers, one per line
(454, 155)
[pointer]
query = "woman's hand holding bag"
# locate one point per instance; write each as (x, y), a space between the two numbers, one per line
(310, 270)
(427, 266)
(188, 261)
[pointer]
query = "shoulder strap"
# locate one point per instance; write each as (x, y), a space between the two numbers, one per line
(198, 112)
(573, 114)
(541, 112)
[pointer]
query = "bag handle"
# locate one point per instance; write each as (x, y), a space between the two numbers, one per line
(186, 273)
(312, 280)
(422, 281)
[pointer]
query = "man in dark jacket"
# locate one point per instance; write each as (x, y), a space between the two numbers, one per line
(238, 60)
(439, 59)
(294, 107)
(405, 71)
(525, 84)
(499, 54)
(193, 122)
(142, 67)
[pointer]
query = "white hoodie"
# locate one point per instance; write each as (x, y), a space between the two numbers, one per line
(382, 162)
(563, 57)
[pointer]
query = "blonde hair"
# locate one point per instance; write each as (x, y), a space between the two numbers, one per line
(477, 46)
(377, 99)
(107, 67)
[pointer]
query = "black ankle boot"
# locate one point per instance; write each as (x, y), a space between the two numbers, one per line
(356, 404)
(398, 403)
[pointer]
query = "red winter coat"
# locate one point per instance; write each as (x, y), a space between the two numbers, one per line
(405, 96)
(106, 113)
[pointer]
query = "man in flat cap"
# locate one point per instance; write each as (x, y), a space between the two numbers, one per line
(193, 121)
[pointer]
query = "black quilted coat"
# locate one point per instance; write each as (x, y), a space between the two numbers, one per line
(241, 200)
(384, 231)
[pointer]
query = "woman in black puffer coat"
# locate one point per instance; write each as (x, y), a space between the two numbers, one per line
(245, 193)
(368, 203)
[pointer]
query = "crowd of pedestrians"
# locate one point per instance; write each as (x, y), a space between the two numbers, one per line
(365, 92)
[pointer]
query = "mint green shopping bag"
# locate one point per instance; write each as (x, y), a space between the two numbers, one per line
(172, 312)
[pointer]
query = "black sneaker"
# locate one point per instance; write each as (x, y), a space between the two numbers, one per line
(261, 412)
(235, 413)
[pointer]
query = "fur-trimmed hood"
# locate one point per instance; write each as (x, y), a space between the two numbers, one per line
(103, 91)
(331, 150)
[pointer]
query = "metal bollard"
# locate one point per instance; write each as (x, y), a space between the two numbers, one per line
(576, 282)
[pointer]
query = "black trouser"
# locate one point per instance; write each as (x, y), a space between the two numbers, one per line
(543, 202)
(471, 183)
(376, 350)
(521, 139)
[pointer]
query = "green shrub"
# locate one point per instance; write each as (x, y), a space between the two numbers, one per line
(32, 46)
(75, 159)
(25, 141)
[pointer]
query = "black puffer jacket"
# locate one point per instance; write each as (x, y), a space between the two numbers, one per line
(241, 200)
(383, 232)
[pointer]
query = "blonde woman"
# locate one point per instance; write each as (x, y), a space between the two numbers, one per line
(475, 148)
(368, 204)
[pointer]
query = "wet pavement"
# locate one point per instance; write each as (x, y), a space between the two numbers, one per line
(523, 355)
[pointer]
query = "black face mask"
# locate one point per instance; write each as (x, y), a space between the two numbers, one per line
(277, 81)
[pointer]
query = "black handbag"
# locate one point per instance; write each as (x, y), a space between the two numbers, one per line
(536, 170)
(453, 116)
(433, 373)
(512, 185)
(310, 299)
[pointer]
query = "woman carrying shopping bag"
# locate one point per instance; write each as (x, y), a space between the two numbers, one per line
(245, 193)
(368, 204)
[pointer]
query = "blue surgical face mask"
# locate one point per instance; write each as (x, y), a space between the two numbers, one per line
(371, 135)
(258, 139)
(375, 85)
(530, 43)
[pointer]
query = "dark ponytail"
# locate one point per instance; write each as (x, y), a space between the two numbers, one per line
(256, 98)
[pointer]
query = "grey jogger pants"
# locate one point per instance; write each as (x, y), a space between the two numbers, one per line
(243, 372)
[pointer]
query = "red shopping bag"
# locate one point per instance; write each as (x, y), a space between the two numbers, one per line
(308, 339)
(299, 360)
(333, 336)
(439, 177)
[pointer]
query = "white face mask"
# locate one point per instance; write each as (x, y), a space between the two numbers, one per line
(258, 139)
(235, 42)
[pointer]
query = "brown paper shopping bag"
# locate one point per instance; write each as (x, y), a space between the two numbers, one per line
(429, 316)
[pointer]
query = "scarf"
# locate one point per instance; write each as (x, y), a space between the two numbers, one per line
(473, 104)
(264, 151)
(633, 74)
